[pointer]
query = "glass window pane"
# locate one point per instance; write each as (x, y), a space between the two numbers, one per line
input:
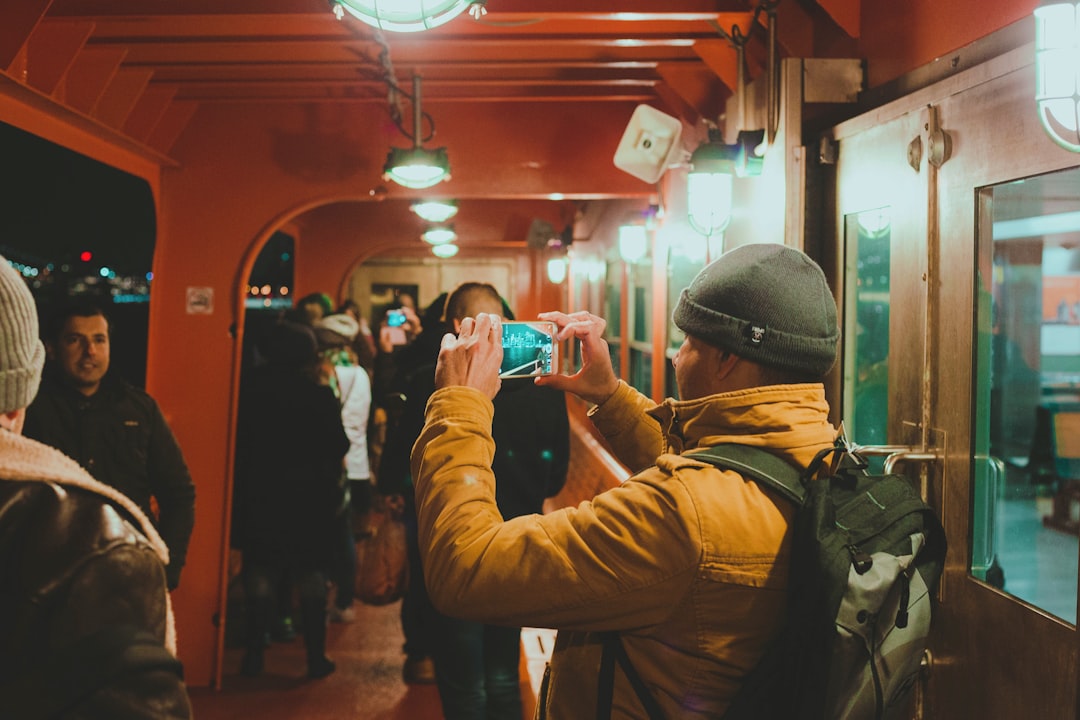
(682, 267)
(613, 297)
(641, 371)
(641, 293)
(866, 332)
(1026, 485)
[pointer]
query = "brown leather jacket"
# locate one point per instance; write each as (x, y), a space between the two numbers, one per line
(84, 612)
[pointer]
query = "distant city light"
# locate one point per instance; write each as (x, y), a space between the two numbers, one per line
(149, 276)
(86, 256)
(104, 272)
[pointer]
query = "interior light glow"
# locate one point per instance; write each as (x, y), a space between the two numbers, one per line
(709, 185)
(439, 235)
(445, 251)
(633, 242)
(556, 270)
(1057, 72)
(407, 15)
(417, 167)
(435, 211)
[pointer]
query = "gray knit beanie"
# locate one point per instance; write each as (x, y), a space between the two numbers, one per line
(21, 351)
(767, 303)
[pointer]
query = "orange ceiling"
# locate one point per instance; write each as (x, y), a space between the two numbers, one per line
(140, 66)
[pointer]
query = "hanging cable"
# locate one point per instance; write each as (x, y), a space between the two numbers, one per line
(738, 40)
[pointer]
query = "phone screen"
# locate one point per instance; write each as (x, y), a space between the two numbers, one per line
(529, 349)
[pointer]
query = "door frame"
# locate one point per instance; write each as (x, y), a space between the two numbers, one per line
(989, 649)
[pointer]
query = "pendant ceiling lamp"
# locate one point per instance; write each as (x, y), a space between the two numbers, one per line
(439, 235)
(408, 15)
(435, 211)
(417, 167)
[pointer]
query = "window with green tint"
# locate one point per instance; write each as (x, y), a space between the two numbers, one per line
(613, 298)
(866, 326)
(641, 292)
(669, 378)
(641, 370)
(685, 261)
(1026, 414)
(613, 305)
(681, 269)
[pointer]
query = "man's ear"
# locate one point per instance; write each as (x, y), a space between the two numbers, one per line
(725, 363)
(457, 326)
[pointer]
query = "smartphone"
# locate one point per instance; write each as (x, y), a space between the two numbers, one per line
(529, 349)
(395, 318)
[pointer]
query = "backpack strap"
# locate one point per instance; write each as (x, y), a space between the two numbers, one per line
(757, 464)
(614, 653)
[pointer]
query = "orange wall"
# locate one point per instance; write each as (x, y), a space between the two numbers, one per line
(244, 171)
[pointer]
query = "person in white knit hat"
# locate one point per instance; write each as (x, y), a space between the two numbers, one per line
(86, 628)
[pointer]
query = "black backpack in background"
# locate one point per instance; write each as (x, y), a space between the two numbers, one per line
(866, 556)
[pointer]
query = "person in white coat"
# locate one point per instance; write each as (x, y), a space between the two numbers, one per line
(352, 385)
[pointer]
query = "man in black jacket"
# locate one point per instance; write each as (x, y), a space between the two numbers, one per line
(112, 429)
(86, 629)
(476, 665)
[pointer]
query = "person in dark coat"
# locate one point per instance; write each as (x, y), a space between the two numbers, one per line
(114, 430)
(290, 448)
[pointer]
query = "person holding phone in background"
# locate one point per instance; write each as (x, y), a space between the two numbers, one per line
(476, 664)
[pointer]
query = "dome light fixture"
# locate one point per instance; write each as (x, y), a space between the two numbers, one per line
(416, 167)
(436, 211)
(445, 251)
(408, 15)
(439, 235)
(1057, 71)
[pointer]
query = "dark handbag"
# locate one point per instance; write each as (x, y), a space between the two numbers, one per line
(382, 572)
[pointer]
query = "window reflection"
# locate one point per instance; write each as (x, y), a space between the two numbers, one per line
(686, 257)
(866, 333)
(1026, 490)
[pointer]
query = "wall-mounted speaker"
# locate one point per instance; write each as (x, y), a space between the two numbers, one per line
(650, 143)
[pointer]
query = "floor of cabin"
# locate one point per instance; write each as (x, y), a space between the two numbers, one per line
(366, 686)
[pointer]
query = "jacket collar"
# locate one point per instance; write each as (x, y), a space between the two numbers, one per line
(777, 416)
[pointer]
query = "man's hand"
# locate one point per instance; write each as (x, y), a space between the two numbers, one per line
(596, 381)
(473, 357)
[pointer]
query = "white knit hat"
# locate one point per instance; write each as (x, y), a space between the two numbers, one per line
(343, 324)
(21, 351)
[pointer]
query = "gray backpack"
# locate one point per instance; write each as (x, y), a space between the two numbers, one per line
(867, 554)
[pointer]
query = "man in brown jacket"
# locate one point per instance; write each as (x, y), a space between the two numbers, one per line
(688, 562)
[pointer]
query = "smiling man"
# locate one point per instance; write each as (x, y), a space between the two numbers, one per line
(115, 431)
